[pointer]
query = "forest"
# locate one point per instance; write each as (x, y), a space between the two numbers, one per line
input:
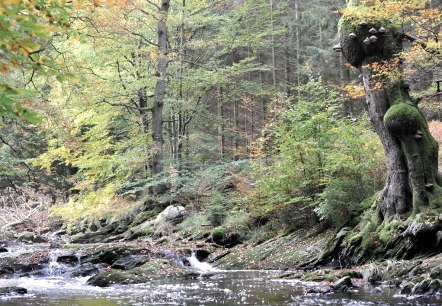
(290, 135)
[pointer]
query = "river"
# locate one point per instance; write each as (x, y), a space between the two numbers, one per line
(213, 287)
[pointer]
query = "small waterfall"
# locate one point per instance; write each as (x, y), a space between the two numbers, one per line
(56, 268)
(202, 267)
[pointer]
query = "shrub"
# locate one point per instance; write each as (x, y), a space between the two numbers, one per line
(216, 211)
(339, 201)
(314, 147)
(193, 225)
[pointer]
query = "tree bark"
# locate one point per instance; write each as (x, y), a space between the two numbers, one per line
(344, 76)
(160, 90)
(395, 198)
(298, 51)
(272, 26)
(221, 123)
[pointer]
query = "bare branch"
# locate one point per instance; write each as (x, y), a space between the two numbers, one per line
(422, 43)
(151, 3)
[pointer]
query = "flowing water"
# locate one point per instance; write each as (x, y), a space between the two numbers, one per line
(213, 287)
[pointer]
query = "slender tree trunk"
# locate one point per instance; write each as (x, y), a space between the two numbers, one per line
(272, 27)
(236, 126)
(142, 104)
(181, 116)
(221, 123)
(344, 76)
(263, 99)
(287, 69)
(298, 50)
(160, 90)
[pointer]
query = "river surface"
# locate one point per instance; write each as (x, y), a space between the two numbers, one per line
(214, 287)
(221, 288)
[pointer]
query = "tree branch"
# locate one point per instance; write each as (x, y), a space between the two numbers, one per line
(422, 43)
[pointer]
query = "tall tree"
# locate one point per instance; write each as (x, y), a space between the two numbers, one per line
(372, 42)
(160, 90)
(371, 39)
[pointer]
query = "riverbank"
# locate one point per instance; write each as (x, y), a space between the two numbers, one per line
(150, 243)
(145, 260)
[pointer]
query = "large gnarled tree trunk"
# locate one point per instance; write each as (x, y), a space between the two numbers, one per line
(406, 220)
(411, 151)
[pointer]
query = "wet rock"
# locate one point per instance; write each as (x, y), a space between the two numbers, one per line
(93, 227)
(342, 284)
(90, 237)
(69, 260)
(30, 237)
(426, 287)
(86, 269)
(25, 263)
(416, 271)
(12, 290)
(436, 273)
(108, 255)
(377, 290)
(421, 287)
(319, 290)
(6, 271)
(130, 262)
(107, 278)
(28, 268)
(59, 233)
(406, 288)
(201, 254)
(435, 287)
(3, 250)
(54, 245)
(191, 275)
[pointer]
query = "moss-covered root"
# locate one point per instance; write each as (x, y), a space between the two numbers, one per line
(391, 238)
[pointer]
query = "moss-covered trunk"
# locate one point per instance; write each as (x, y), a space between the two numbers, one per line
(395, 198)
(411, 151)
(407, 218)
(412, 178)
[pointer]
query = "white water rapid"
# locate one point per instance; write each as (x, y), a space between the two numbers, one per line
(202, 267)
